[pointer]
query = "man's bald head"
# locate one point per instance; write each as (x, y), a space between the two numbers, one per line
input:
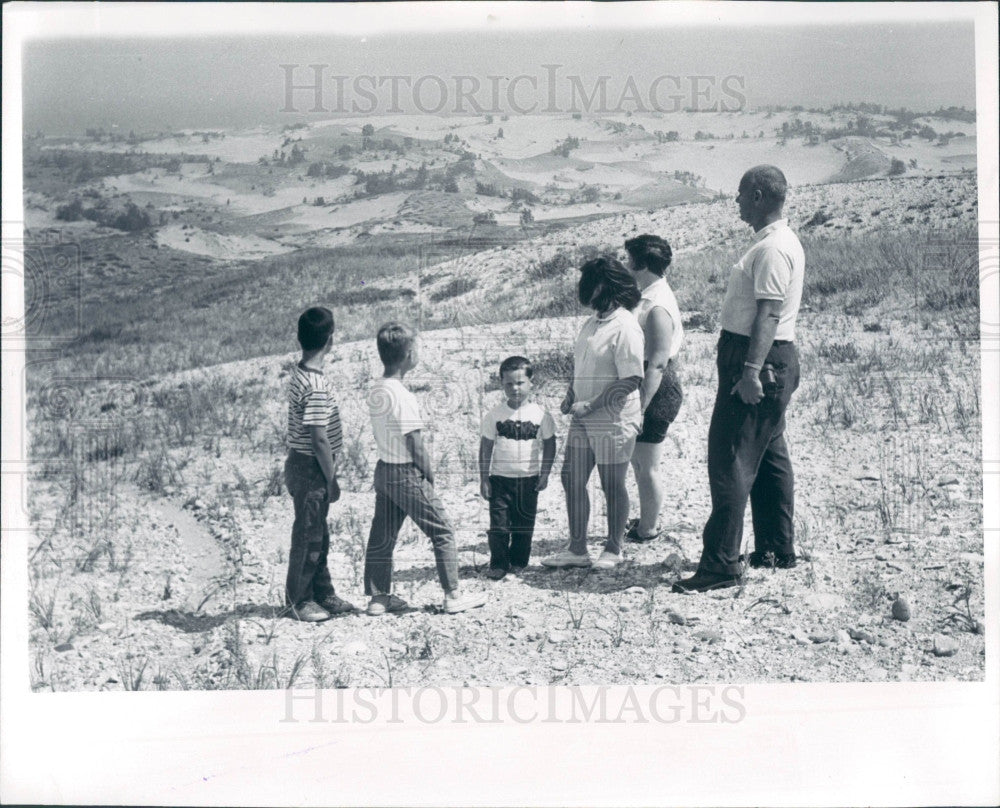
(769, 181)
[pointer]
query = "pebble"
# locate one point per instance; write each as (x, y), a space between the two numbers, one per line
(878, 674)
(861, 636)
(843, 637)
(703, 660)
(556, 637)
(660, 673)
(820, 638)
(949, 479)
(867, 474)
(676, 618)
(800, 636)
(674, 562)
(109, 626)
(64, 646)
(708, 635)
(635, 590)
(901, 610)
(943, 646)
(559, 664)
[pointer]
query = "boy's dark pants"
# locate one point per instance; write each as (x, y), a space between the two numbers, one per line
(308, 575)
(401, 491)
(748, 458)
(513, 505)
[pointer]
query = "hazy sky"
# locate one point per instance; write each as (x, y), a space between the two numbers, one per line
(153, 84)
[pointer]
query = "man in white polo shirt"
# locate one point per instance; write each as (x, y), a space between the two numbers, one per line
(758, 371)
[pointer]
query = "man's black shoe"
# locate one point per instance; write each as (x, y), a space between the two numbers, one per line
(779, 561)
(704, 582)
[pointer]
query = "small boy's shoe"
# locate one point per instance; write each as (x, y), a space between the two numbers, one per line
(463, 602)
(565, 558)
(495, 573)
(380, 604)
(704, 582)
(517, 570)
(308, 611)
(608, 561)
(336, 605)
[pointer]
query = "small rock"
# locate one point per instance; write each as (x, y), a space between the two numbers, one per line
(867, 475)
(556, 637)
(800, 636)
(683, 647)
(673, 562)
(676, 618)
(901, 609)
(660, 673)
(955, 495)
(944, 646)
(878, 674)
(108, 626)
(819, 637)
(881, 557)
(861, 636)
(635, 590)
(624, 608)
(708, 635)
(559, 664)
(64, 646)
(703, 660)
(198, 504)
(843, 637)
(949, 479)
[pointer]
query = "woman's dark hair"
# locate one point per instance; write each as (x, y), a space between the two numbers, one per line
(612, 283)
(650, 252)
(315, 328)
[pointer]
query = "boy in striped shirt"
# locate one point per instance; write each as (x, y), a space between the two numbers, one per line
(314, 440)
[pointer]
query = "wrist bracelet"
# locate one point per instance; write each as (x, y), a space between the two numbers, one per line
(752, 365)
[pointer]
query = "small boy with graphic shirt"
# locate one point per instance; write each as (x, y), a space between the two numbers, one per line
(516, 452)
(314, 440)
(404, 482)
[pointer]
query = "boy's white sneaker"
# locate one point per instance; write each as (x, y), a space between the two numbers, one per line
(463, 602)
(564, 558)
(608, 561)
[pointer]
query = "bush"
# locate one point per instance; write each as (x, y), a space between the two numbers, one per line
(896, 167)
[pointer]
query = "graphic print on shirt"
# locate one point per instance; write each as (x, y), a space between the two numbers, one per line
(517, 430)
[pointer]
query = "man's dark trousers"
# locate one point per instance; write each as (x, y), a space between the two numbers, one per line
(513, 506)
(748, 458)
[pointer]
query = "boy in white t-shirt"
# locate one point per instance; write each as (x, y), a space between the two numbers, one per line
(404, 482)
(516, 452)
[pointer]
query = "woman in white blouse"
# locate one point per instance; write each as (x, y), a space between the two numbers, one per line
(660, 392)
(603, 401)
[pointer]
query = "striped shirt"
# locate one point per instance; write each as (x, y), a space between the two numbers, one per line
(310, 403)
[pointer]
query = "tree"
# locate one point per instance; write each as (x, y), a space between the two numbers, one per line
(367, 130)
(896, 167)
(527, 217)
(500, 133)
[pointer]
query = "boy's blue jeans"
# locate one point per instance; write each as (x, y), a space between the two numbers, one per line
(401, 491)
(308, 575)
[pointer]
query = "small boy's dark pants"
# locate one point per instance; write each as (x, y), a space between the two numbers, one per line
(748, 459)
(513, 506)
(308, 575)
(401, 491)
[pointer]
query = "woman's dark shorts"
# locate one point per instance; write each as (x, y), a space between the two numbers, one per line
(663, 409)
